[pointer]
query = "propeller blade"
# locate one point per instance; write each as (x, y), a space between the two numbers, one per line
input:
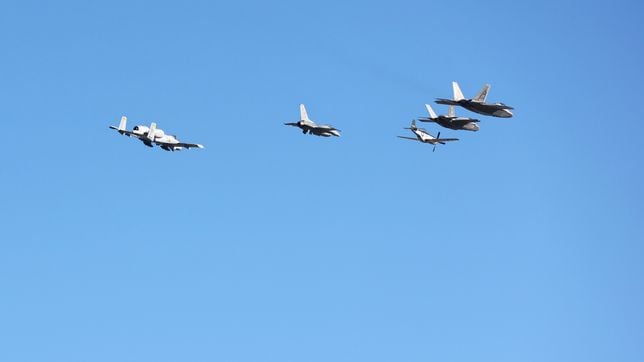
(433, 150)
(438, 135)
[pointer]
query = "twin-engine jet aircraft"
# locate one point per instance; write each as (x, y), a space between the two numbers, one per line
(423, 136)
(450, 120)
(310, 127)
(153, 135)
(477, 104)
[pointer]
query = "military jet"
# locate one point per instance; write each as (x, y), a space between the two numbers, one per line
(423, 136)
(450, 120)
(310, 127)
(477, 104)
(152, 135)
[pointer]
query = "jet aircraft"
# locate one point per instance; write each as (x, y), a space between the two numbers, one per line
(310, 127)
(423, 136)
(477, 104)
(153, 135)
(450, 120)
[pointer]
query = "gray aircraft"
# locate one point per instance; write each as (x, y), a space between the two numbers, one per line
(477, 104)
(423, 136)
(450, 120)
(310, 127)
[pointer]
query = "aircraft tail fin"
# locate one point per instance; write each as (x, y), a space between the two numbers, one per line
(431, 112)
(413, 124)
(482, 94)
(123, 124)
(458, 95)
(152, 131)
(451, 112)
(303, 115)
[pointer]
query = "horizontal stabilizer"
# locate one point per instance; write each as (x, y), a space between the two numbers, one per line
(448, 102)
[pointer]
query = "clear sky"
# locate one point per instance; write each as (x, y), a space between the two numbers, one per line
(521, 242)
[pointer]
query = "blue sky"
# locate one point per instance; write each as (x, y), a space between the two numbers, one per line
(523, 241)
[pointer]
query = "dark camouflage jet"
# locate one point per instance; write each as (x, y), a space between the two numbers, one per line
(477, 104)
(450, 120)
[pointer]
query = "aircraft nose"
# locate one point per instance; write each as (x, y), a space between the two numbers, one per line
(503, 113)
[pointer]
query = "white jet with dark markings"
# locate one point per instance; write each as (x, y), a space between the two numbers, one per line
(310, 127)
(425, 137)
(477, 104)
(152, 135)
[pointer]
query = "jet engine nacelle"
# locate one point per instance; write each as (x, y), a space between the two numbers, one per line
(141, 129)
(158, 133)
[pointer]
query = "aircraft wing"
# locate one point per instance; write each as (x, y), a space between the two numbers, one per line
(499, 106)
(325, 131)
(443, 140)
(409, 138)
(325, 127)
(446, 101)
(126, 132)
(189, 145)
(465, 120)
(179, 144)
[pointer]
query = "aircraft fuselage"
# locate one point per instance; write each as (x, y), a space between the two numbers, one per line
(425, 137)
(308, 127)
(465, 124)
(487, 109)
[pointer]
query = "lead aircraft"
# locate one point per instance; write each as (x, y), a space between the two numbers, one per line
(477, 104)
(152, 135)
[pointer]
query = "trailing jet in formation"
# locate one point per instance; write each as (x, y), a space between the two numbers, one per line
(477, 104)
(152, 135)
(450, 120)
(310, 127)
(423, 136)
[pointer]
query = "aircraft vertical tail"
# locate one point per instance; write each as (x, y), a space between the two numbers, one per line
(458, 95)
(431, 112)
(482, 94)
(123, 124)
(451, 112)
(152, 131)
(303, 115)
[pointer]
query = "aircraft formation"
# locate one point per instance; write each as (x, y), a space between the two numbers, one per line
(151, 136)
